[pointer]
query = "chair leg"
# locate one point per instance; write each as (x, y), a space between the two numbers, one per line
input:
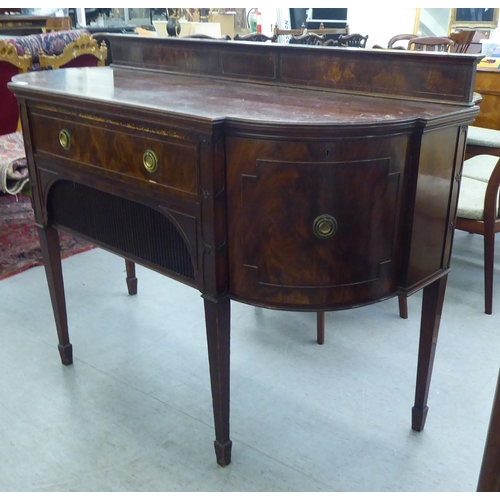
(321, 327)
(131, 278)
(489, 258)
(489, 475)
(403, 306)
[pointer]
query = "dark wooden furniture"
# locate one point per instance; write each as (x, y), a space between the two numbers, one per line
(482, 141)
(488, 85)
(489, 475)
(288, 177)
(21, 24)
(58, 24)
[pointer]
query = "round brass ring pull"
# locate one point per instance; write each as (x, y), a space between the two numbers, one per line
(65, 139)
(150, 161)
(325, 226)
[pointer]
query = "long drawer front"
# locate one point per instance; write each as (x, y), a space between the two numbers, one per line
(160, 156)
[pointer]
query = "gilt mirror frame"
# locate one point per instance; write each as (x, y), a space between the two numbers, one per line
(460, 18)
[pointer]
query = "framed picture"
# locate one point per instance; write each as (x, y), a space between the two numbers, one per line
(474, 18)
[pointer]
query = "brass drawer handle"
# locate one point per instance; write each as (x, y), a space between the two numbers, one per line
(325, 226)
(65, 139)
(150, 161)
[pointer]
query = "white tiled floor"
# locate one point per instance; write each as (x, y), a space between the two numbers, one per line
(133, 413)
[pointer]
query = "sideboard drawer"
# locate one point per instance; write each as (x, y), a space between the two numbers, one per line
(167, 161)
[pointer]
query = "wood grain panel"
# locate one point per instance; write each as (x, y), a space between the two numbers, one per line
(120, 152)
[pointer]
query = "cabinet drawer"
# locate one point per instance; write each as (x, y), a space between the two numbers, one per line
(170, 162)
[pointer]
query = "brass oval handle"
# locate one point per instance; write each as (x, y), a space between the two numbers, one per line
(150, 161)
(325, 226)
(65, 139)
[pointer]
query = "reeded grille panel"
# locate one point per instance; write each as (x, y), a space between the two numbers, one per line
(128, 226)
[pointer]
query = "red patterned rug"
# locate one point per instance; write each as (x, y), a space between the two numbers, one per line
(19, 244)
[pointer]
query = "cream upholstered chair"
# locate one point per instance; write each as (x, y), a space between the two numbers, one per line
(482, 140)
(478, 210)
(478, 213)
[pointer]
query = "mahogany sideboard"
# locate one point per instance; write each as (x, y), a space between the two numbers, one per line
(288, 177)
(21, 24)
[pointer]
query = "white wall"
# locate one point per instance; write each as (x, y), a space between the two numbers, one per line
(381, 25)
(269, 19)
(434, 22)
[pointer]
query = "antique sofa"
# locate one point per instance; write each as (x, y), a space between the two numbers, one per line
(46, 51)
(51, 44)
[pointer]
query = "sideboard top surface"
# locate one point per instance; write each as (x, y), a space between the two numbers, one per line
(215, 100)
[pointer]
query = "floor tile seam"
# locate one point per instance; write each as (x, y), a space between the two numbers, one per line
(144, 393)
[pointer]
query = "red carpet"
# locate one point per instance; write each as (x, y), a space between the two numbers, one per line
(19, 244)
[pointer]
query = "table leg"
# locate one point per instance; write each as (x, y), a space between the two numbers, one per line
(432, 306)
(217, 318)
(320, 327)
(131, 278)
(489, 475)
(51, 253)
(403, 306)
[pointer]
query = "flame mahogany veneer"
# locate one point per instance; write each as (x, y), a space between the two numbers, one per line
(260, 151)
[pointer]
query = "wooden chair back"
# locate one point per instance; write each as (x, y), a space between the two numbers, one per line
(308, 39)
(84, 51)
(321, 31)
(400, 38)
(329, 31)
(461, 40)
(203, 36)
(353, 40)
(430, 44)
(255, 37)
(291, 32)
